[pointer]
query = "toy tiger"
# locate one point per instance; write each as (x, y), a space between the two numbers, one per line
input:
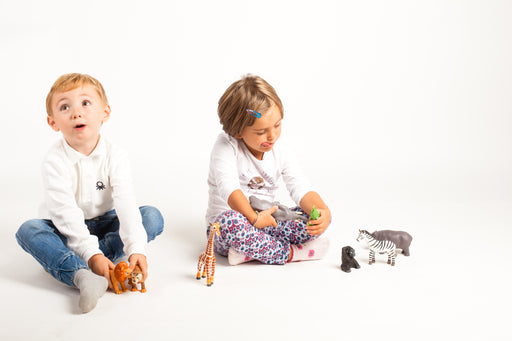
(136, 278)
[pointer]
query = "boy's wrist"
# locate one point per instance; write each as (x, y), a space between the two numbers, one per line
(88, 255)
(92, 259)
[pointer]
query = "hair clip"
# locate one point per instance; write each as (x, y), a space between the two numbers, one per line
(254, 113)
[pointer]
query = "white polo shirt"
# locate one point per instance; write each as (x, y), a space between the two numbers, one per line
(232, 167)
(79, 187)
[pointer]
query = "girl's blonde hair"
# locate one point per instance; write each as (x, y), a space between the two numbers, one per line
(250, 92)
(72, 81)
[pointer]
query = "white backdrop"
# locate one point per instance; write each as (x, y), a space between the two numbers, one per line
(385, 101)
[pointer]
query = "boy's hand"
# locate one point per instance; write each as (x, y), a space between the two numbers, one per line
(141, 261)
(101, 266)
(265, 218)
(318, 226)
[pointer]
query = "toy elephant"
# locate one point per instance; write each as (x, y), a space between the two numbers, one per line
(401, 239)
(283, 213)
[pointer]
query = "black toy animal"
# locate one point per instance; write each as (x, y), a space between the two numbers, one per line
(347, 259)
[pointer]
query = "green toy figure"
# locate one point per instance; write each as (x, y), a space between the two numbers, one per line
(314, 215)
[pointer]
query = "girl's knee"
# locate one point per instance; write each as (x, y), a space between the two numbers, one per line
(152, 220)
(230, 216)
(231, 221)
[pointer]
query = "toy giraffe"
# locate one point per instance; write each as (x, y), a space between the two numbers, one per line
(206, 261)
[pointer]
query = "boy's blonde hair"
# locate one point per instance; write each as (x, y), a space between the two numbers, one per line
(250, 92)
(72, 81)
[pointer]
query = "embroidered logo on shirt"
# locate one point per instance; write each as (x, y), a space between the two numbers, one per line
(100, 186)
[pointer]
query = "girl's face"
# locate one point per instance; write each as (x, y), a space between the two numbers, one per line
(261, 136)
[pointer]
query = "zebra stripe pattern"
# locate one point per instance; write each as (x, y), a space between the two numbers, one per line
(380, 246)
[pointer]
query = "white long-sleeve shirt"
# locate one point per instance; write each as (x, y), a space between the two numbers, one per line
(232, 167)
(79, 187)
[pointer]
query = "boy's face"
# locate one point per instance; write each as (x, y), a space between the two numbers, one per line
(79, 114)
(261, 136)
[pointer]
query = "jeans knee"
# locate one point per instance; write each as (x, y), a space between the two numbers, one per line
(152, 220)
(27, 231)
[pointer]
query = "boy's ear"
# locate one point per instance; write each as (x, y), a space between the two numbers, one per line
(51, 123)
(106, 114)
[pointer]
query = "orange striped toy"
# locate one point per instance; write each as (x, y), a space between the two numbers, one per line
(206, 262)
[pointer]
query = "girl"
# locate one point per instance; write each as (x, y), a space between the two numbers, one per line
(247, 161)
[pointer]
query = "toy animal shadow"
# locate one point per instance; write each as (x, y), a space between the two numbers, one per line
(122, 273)
(348, 259)
(206, 262)
(283, 213)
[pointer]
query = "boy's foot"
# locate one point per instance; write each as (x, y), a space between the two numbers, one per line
(312, 250)
(91, 286)
(235, 257)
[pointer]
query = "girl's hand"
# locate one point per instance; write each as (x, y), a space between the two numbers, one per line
(141, 261)
(101, 266)
(318, 226)
(265, 218)
(238, 202)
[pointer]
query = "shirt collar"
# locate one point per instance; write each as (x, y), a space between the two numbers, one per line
(75, 156)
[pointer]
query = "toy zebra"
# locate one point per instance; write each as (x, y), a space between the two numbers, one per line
(206, 262)
(380, 246)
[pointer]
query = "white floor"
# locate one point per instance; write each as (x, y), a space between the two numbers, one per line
(455, 285)
(400, 114)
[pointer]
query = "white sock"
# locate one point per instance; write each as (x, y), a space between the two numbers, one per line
(235, 257)
(91, 286)
(315, 249)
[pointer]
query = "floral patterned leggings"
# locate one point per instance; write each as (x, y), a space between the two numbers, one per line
(269, 245)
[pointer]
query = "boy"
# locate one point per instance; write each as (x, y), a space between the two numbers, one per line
(90, 213)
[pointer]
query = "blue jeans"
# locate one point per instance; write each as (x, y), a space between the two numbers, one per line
(41, 239)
